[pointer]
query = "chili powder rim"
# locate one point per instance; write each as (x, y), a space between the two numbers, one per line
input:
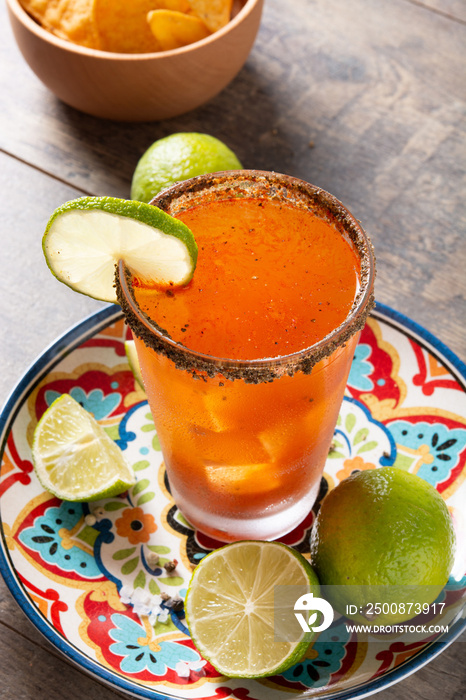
(260, 185)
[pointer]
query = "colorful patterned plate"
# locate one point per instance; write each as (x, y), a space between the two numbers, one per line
(71, 574)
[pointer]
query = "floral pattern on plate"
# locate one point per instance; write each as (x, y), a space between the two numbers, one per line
(106, 581)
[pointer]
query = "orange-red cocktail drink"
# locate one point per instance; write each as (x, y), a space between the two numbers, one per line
(245, 368)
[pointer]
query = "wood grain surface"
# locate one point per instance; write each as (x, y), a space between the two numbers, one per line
(364, 98)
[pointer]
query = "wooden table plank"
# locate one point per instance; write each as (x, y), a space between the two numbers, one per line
(386, 124)
(455, 9)
(30, 291)
(341, 55)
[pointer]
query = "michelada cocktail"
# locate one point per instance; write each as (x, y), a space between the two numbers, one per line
(245, 367)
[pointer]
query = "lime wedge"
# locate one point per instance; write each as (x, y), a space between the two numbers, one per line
(86, 237)
(133, 361)
(230, 608)
(73, 456)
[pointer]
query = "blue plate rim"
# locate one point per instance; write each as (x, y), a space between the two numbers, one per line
(53, 354)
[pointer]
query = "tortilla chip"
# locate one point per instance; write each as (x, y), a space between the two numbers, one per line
(175, 29)
(68, 19)
(177, 5)
(122, 25)
(215, 13)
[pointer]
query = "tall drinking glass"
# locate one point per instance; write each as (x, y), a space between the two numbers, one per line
(245, 368)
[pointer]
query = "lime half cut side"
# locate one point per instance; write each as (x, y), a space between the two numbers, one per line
(85, 238)
(133, 361)
(231, 604)
(73, 456)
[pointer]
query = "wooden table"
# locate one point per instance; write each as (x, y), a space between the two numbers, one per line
(365, 99)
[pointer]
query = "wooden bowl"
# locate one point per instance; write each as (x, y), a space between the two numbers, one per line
(137, 87)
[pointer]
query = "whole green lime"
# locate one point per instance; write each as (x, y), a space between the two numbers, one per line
(179, 157)
(383, 546)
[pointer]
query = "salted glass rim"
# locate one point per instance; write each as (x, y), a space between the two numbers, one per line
(282, 188)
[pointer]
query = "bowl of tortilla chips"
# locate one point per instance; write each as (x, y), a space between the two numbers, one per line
(143, 60)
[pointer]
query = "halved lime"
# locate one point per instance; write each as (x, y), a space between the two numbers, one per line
(85, 239)
(73, 456)
(231, 605)
(133, 361)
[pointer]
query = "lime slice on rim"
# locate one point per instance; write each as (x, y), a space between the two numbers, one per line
(73, 456)
(85, 239)
(133, 361)
(230, 608)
